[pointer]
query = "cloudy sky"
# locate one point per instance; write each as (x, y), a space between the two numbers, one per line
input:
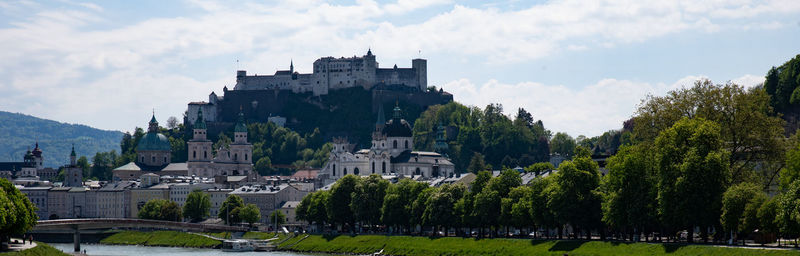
(580, 66)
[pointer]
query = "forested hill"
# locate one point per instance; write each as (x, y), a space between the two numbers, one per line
(19, 132)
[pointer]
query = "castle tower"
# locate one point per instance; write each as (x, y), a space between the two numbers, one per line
(241, 151)
(420, 66)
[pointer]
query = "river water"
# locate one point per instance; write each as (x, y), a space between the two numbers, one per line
(99, 249)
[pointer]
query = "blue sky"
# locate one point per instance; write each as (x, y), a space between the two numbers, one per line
(579, 66)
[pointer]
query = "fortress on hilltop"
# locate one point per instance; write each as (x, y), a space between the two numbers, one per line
(331, 73)
(339, 97)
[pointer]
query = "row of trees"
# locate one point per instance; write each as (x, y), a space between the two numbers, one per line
(700, 158)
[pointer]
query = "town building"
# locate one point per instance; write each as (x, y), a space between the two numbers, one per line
(391, 154)
(234, 160)
(153, 155)
(268, 198)
(217, 196)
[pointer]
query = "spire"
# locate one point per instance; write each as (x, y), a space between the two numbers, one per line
(199, 123)
(397, 112)
(240, 126)
(291, 66)
(72, 157)
(153, 123)
(381, 119)
(369, 51)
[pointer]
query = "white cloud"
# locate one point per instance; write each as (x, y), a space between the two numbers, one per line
(749, 80)
(52, 59)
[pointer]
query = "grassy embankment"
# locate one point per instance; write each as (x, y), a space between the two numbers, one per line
(41, 249)
(161, 238)
(406, 245)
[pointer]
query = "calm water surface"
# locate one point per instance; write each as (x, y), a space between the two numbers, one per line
(99, 249)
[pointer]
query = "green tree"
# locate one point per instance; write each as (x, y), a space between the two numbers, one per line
(367, 199)
(503, 183)
(477, 163)
(250, 214)
(767, 215)
(734, 202)
(160, 209)
(574, 199)
(440, 207)
(277, 217)
(197, 206)
(788, 217)
(398, 202)
(83, 163)
(540, 167)
(562, 144)
(516, 208)
(630, 193)
(226, 210)
(103, 164)
(486, 209)
(338, 205)
(750, 131)
(17, 213)
(264, 166)
(693, 174)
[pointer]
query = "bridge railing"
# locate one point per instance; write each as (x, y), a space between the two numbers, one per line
(137, 223)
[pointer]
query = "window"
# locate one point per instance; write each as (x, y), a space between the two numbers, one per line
(334, 169)
(165, 159)
(355, 171)
(406, 144)
(373, 167)
(394, 144)
(245, 156)
(194, 154)
(345, 171)
(154, 159)
(205, 154)
(383, 167)
(235, 157)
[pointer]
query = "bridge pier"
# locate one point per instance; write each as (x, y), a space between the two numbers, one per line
(76, 238)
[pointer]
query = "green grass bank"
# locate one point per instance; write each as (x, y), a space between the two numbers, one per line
(161, 238)
(41, 249)
(407, 245)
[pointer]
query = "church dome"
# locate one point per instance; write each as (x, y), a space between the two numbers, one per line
(154, 142)
(397, 128)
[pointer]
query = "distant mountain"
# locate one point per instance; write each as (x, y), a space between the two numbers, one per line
(20, 132)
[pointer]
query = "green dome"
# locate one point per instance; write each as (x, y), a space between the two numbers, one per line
(153, 142)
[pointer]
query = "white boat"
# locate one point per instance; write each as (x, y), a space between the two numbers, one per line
(237, 245)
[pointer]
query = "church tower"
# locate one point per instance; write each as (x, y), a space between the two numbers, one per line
(241, 150)
(73, 175)
(199, 149)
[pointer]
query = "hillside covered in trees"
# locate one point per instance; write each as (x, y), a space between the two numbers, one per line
(20, 132)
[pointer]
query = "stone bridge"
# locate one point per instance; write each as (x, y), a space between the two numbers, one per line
(76, 225)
